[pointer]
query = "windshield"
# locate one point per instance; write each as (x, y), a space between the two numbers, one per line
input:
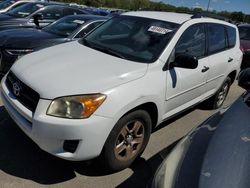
(244, 33)
(24, 10)
(6, 4)
(133, 38)
(65, 26)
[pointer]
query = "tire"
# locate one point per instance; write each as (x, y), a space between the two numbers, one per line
(127, 140)
(217, 100)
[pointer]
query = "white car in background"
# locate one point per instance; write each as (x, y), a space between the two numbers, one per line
(102, 95)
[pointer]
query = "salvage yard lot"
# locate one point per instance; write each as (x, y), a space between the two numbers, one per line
(23, 164)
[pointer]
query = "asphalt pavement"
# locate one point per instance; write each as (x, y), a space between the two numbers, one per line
(24, 165)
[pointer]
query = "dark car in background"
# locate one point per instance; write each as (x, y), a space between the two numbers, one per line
(216, 154)
(8, 5)
(18, 42)
(244, 30)
(36, 15)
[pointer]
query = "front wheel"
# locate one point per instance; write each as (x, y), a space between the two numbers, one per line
(127, 140)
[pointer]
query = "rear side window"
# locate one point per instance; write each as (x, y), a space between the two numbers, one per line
(53, 12)
(192, 42)
(231, 33)
(244, 33)
(70, 11)
(216, 38)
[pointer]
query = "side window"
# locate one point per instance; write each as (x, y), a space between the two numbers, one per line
(69, 11)
(17, 5)
(231, 34)
(192, 42)
(51, 13)
(216, 38)
(88, 29)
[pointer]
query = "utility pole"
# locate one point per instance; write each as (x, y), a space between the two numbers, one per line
(208, 5)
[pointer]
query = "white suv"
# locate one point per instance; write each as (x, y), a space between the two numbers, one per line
(102, 95)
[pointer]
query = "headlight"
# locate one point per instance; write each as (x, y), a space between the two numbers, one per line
(75, 107)
(19, 52)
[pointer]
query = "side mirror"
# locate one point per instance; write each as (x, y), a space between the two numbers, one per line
(244, 79)
(185, 61)
(36, 18)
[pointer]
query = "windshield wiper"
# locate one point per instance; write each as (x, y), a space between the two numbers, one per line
(110, 52)
(102, 49)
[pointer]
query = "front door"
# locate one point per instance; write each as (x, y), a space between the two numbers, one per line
(185, 86)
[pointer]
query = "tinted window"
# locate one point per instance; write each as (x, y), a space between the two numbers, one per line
(6, 4)
(25, 10)
(70, 11)
(52, 12)
(134, 38)
(65, 26)
(244, 33)
(231, 33)
(17, 5)
(192, 41)
(216, 38)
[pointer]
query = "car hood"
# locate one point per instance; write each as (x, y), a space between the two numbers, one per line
(25, 38)
(72, 68)
(245, 44)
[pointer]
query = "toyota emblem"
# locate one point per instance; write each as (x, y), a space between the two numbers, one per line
(16, 89)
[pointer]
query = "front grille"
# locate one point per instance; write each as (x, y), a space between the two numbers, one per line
(23, 93)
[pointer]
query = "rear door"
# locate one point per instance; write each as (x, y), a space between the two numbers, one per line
(220, 57)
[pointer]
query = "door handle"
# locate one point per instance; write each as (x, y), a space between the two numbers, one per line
(205, 69)
(230, 60)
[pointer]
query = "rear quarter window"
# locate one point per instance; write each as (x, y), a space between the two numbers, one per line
(231, 34)
(216, 38)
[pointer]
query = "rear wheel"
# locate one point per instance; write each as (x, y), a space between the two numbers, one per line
(127, 140)
(218, 99)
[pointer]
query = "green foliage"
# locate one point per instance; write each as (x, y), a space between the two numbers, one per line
(157, 6)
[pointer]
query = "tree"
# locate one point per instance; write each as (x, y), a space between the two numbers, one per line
(237, 16)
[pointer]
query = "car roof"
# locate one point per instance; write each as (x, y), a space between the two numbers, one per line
(178, 18)
(244, 25)
(63, 5)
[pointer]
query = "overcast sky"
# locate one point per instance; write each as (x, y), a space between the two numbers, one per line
(218, 5)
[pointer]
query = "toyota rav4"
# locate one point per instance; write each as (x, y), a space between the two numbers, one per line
(103, 95)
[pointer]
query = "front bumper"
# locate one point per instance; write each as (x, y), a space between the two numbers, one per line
(50, 133)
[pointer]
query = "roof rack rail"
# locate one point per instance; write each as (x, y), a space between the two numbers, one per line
(198, 15)
(210, 15)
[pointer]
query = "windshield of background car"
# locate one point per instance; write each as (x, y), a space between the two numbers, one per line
(65, 26)
(25, 10)
(244, 33)
(6, 4)
(133, 38)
